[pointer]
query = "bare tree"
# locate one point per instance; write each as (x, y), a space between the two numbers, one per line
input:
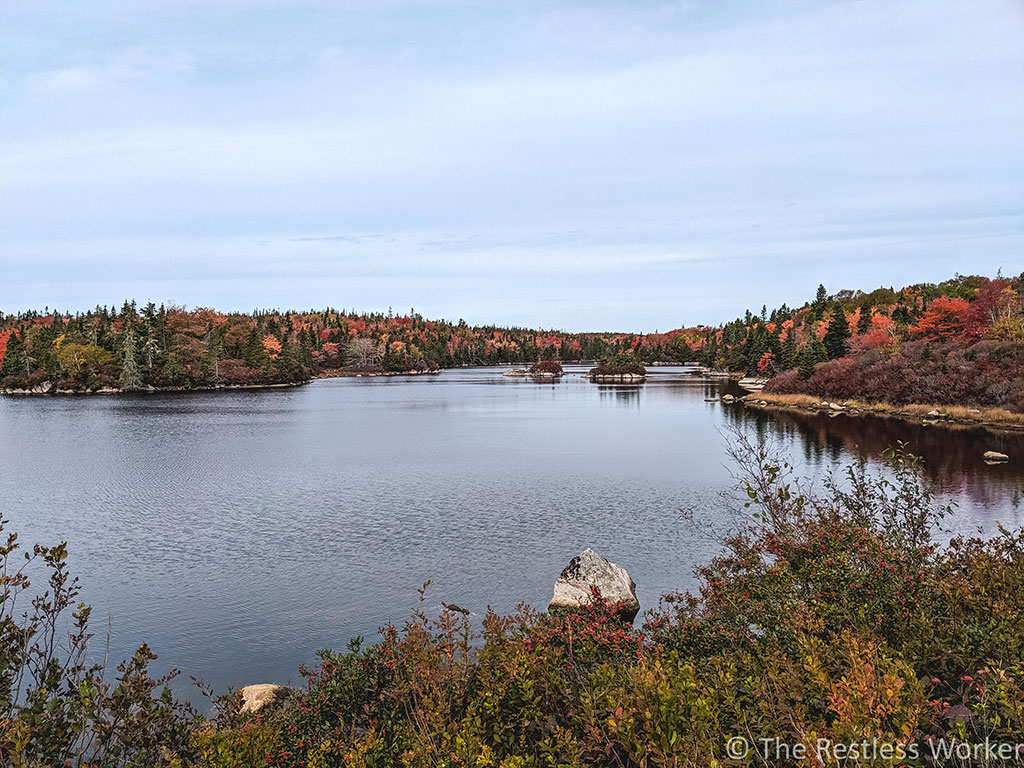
(363, 353)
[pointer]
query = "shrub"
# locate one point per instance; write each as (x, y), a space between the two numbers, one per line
(623, 363)
(547, 366)
(55, 708)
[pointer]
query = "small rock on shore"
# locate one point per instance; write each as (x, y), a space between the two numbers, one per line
(256, 697)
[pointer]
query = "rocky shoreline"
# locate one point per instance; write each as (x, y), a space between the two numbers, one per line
(918, 413)
(616, 378)
(341, 374)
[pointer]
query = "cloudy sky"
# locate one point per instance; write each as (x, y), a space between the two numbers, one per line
(595, 165)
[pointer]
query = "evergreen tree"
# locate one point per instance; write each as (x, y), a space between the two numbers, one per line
(864, 321)
(810, 355)
(788, 354)
(215, 352)
(901, 315)
(150, 350)
(16, 358)
(253, 352)
(820, 303)
(837, 334)
(130, 378)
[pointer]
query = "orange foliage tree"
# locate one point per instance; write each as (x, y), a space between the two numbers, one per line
(946, 318)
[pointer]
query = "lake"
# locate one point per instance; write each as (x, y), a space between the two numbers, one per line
(238, 532)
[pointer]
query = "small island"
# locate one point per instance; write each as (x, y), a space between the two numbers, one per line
(546, 369)
(624, 368)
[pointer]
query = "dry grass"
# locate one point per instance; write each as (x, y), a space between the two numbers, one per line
(956, 413)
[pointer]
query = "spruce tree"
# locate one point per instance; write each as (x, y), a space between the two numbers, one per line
(864, 321)
(837, 334)
(254, 354)
(788, 355)
(820, 303)
(15, 359)
(811, 353)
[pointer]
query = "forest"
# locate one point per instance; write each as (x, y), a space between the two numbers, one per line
(960, 341)
(956, 342)
(174, 347)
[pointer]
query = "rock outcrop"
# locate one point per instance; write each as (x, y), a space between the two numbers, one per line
(617, 378)
(256, 697)
(588, 570)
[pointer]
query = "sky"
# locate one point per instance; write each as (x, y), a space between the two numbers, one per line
(632, 166)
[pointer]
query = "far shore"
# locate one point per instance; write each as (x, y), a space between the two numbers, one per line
(340, 373)
(38, 391)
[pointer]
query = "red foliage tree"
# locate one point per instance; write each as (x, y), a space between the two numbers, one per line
(946, 318)
(766, 365)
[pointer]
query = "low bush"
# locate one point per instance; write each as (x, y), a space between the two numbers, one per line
(989, 373)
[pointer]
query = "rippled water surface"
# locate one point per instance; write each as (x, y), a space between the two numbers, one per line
(239, 532)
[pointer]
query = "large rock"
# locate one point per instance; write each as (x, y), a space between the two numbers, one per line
(256, 697)
(588, 569)
(995, 456)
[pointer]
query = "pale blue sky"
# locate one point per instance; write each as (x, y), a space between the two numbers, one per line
(599, 165)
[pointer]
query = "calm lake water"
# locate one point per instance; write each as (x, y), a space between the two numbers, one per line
(239, 532)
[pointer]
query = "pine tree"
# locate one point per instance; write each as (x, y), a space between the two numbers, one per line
(837, 334)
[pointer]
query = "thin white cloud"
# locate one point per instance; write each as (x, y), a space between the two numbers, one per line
(452, 143)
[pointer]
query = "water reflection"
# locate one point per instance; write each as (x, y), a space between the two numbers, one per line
(952, 457)
(620, 394)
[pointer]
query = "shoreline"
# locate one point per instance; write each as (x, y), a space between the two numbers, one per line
(38, 391)
(340, 374)
(928, 414)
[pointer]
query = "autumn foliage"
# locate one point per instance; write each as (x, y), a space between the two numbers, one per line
(172, 347)
(960, 342)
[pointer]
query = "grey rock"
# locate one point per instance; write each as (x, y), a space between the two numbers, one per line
(589, 570)
(995, 456)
